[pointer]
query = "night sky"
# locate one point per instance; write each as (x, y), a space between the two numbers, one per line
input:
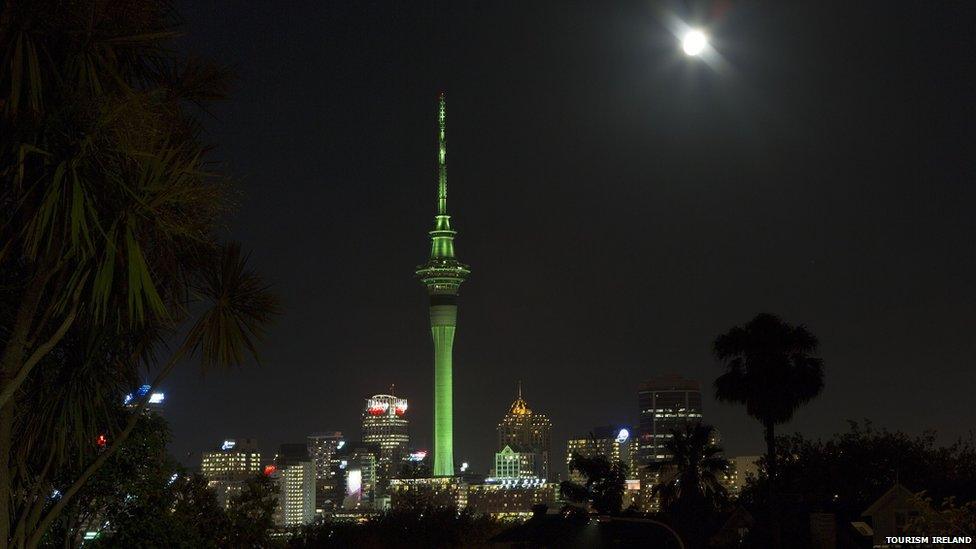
(620, 205)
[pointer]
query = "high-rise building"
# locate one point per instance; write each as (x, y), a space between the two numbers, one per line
(666, 403)
(230, 466)
(385, 425)
(295, 474)
(356, 464)
(320, 447)
(526, 431)
(510, 464)
(741, 469)
(443, 275)
(612, 442)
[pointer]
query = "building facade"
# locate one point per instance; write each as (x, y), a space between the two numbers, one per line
(356, 465)
(296, 494)
(294, 473)
(444, 491)
(320, 447)
(665, 403)
(385, 425)
(442, 275)
(741, 469)
(613, 442)
(230, 466)
(510, 464)
(527, 432)
(504, 499)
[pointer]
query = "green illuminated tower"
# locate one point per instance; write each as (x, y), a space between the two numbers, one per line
(443, 275)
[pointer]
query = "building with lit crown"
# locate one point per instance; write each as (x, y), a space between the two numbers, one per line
(442, 275)
(385, 425)
(527, 432)
(665, 403)
(230, 466)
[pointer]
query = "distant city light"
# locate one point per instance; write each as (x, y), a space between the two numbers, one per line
(228, 445)
(127, 399)
(173, 478)
(101, 441)
(269, 469)
(354, 482)
(144, 390)
(694, 42)
(156, 398)
(418, 455)
(340, 445)
(464, 466)
(622, 436)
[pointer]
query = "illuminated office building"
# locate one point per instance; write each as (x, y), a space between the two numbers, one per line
(320, 447)
(227, 468)
(294, 471)
(443, 275)
(741, 469)
(356, 464)
(505, 499)
(510, 464)
(612, 442)
(385, 425)
(665, 403)
(527, 432)
(444, 491)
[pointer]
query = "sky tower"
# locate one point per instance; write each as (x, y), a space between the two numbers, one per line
(443, 275)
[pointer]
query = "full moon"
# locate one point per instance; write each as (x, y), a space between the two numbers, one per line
(694, 42)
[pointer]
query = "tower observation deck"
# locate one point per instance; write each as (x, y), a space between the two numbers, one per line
(443, 274)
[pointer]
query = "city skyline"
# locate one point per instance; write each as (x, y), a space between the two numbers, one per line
(710, 196)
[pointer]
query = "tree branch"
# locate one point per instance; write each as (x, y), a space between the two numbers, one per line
(40, 352)
(79, 483)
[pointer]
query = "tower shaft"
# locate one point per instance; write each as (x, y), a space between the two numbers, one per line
(443, 275)
(443, 322)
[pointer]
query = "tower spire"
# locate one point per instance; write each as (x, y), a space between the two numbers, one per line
(443, 274)
(442, 154)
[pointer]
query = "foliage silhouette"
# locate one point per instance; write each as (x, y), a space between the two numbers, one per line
(603, 489)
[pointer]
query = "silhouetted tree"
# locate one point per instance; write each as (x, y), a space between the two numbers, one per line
(250, 514)
(847, 472)
(604, 486)
(690, 477)
(109, 229)
(770, 369)
(420, 527)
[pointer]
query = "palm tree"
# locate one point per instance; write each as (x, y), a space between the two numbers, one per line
(604, 486)
(769, 367)
(235, 307)
(110, 210)
(691, 475)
